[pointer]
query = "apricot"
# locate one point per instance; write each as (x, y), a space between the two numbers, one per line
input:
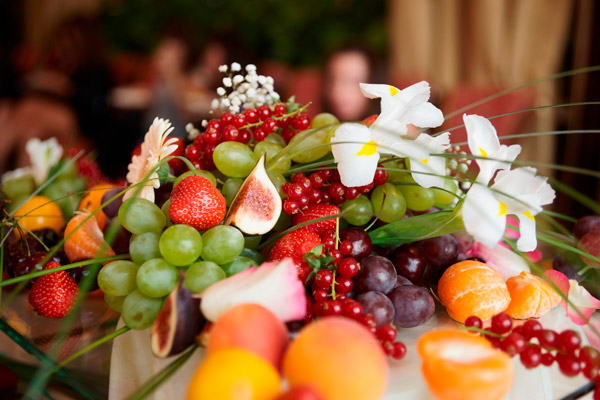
(339, 358)
(472, 288)
(253, 328)
(530, 296)
(458, 365)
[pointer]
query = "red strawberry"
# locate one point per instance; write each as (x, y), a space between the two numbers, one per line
(54, 295)
(196, 202)
(177, 165)
(317, 211)
(295, 244)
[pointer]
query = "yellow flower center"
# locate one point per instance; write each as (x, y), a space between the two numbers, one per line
(425, 160)
(502, 209)
(528, 215)
(483, 153)
(393, 91)
(368, 149)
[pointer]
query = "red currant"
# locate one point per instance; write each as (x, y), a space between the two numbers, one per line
(323, 279)
(352, 309)
(474, 322)
(316, 180)
(547, 338)
(343, 285)
(279, 109)
(259, 134)
(348, 267)
(314, 196)
(351, 193)
(230, 133)
(380, 177)
(212, 136)
(320, 295)
(568, 341)
(326, 174)
(332, 307)
(303, 202)
(226, 118)
(501, 323)
(568, 364)
(244, 136)
(399, 350)
(386, 333)
(251, 115)
(290, 206)
(192, 153)
(269, 125)
(239, 120)
(264, 112)
(547, 359)
(513, 344)
(346, 247)
(214, 124)
(531, 356)
(199, 142)
(301, 121)
(336, 254)
(531, 328)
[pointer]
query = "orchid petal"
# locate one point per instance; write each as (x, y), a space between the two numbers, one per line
(43, 155)
(431, 164)
(483, 215)
(527, 241)
(522, 191)
(426, 115)
(580, 300)
(416, 94)
(561, 281)
(593, 338)
(355, 153)
(502, 259)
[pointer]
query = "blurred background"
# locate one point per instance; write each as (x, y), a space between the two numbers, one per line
(94, 73)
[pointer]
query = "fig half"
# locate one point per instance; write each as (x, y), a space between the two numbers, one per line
(177, 324)
(256, 207)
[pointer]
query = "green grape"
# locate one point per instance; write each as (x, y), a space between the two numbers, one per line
(447, 195)
(324, 120)
(165, 210)
(230, 189)
(139, 215)
(114, 302)
(197, 172)
(68, 169)
(253, 255)
(180, 245)
(278, 180)
(360, 210)
(66, 193)
(272, 149)
(201, 275)
(276, 138)
(234, 159)
(309, 146)
(222, 244)
(395, 176)
(388, 203)
(118, 278)
(139, 311)
(252, 242)
(417, 197)
(144, 247)
(21, 186)
(156, 277)
(238, 264)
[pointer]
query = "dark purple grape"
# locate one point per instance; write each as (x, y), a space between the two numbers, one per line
(80, 273)
(120, 242)
(440, 251)
(378, 305)
(112, 209)
(590, 243)
(375, 273)
(430, 276)
(587, 224)
(361, 242)
(33, 263)
(401, 281)
(464, 241)
(409, 262)
(569, 265)
(413, 305)
(163, 193)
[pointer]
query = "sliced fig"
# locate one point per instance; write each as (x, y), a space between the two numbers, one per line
(177, 324)
(256, 207)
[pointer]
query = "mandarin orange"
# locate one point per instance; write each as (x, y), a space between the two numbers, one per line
(92, 200)
(530, 296)
(472, 288)
(458, 365)
(38, 212)
(86, 241)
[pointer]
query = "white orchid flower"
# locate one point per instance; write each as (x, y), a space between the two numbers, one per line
(483, 142)
(156, 147)
(359, 147)
(519, 192)
(43, 155)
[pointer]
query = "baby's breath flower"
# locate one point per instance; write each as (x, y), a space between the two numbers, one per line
(238, 79)
(235, 67)
(235, 109)
(251, 68)
(221, 91)
(262, 80)
(227, 81)
(214, 104)
(223, 68)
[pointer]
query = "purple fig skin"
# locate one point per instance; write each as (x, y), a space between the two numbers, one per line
(177, 324)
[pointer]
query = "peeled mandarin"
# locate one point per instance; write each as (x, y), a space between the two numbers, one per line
(85, 240)
(530, 296)
(39, 212)
(92, 200)
(232, 374)
(253, 328)
(339, 358)
(473, 288)
(458, 365)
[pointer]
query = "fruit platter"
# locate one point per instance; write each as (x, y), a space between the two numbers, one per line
(270, 255)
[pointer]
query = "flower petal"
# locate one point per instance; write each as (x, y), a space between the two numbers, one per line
(580, 300)
(561, 281)
(431, 164)
(502, 259)
(355, 153)
(426, 115)
(522, 191)
(589, 332)
(483, 216)
(527, 241)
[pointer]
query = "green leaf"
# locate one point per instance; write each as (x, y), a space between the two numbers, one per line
(418, 228)
(163, 173)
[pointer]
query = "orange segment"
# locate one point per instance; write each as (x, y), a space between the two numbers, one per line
(459, 365)
(86, 241)
(530, 296)
(473, 288)
(39, 212)
(92, 200)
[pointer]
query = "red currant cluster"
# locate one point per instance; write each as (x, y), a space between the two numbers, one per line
(536, 345)
(254, 124)
(323, 187)
(88, 169)
(330, 288)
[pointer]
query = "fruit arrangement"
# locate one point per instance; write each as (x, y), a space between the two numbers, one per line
(264, 225)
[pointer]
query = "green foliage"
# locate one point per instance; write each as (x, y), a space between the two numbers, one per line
(296, 32)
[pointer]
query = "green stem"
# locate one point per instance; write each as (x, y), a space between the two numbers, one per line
(481, 331)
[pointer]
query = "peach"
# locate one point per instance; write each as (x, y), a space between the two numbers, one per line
(339, 358)
(253, 328)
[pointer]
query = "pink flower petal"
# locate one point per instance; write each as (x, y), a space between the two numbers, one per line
(501, 258)
(590, 334)
(581, 300)
(561, 281)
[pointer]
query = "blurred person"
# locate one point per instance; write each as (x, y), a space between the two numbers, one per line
(344, 69)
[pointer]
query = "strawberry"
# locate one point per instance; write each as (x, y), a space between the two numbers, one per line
(196, 202)
(317, 211)
(54, 295)
(294, 244)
